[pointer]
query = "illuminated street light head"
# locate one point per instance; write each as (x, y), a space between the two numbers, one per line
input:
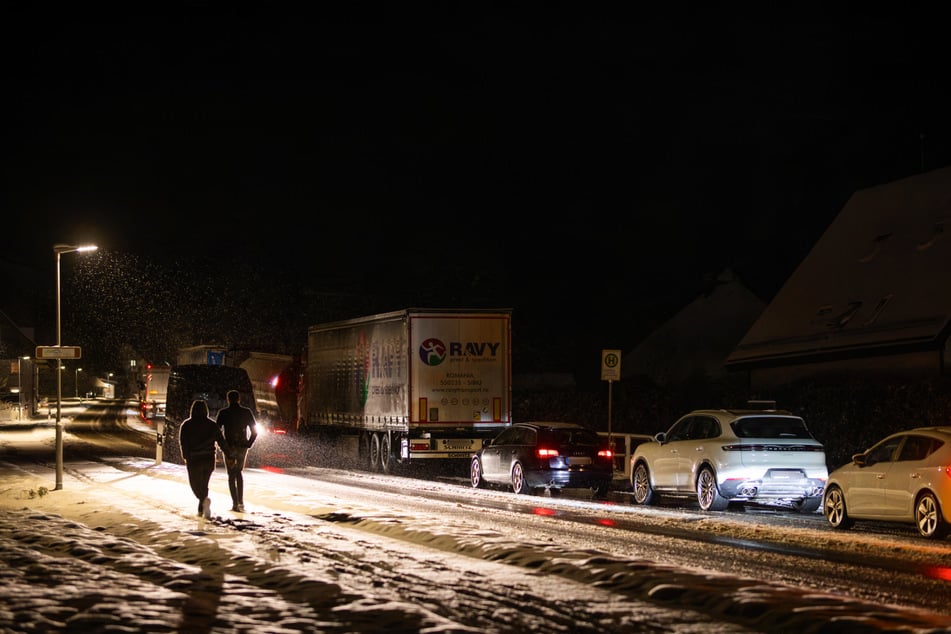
(71, 248)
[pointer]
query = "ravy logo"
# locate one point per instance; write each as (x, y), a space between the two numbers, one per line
(432, 351)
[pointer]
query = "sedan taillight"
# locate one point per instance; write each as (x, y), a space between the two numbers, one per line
(606, 453)
(542, 452)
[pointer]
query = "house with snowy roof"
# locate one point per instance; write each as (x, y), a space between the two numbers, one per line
(872, 299)
(695, 341)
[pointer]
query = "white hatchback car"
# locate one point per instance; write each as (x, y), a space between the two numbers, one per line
(723, 456)
(905, 477)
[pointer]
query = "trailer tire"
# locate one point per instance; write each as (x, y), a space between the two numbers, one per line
(387, 458)
(376, 461)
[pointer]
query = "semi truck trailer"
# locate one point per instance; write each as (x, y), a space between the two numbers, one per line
(411, 386)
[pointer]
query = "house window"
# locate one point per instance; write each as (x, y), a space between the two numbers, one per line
(843, 318)
(938, 231)
(879, 307)
(822, 313)
(876, 247)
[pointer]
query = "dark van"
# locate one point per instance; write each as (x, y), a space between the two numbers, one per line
(210, 382)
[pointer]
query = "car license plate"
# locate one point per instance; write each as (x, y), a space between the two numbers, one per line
(457, 445)
(578, 460)
(785, 474)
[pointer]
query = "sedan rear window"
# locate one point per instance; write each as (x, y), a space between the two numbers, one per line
(770, 427)
(574, 437)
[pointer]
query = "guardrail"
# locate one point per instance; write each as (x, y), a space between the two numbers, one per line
(622, 460)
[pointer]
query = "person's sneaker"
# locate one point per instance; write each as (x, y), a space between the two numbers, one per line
(235, 508)
(206, 508)
(239, 508)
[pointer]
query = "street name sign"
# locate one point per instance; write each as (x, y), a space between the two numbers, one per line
(59, 352)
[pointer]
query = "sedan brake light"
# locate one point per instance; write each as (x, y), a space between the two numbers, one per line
(542, 452)
(605, 453)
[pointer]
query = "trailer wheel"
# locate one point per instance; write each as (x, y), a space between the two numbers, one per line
(375, 451)
(387, 458)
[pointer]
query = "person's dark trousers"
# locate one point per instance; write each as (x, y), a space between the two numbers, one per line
(200, 469)
(235, 463)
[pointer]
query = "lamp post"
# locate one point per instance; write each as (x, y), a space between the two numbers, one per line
(76, 381)
(60, 249)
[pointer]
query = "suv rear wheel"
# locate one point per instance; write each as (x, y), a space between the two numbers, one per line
(708, 495)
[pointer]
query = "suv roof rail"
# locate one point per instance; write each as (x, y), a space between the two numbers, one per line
(761, 404)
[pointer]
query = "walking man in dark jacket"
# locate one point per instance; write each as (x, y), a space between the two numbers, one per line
(197, 437)
(240, 431)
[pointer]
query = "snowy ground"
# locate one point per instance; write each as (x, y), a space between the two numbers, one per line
(120, 548)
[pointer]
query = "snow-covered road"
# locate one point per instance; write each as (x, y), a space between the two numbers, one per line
(119, 548)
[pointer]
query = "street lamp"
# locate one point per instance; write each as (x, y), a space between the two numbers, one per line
(60, 249)
(76, 380)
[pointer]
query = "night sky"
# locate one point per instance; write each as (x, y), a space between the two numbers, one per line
(581, 164)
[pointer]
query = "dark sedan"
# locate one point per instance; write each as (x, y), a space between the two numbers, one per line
(533, 457)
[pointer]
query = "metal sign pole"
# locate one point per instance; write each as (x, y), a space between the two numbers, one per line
(610, 417)
(610, 372)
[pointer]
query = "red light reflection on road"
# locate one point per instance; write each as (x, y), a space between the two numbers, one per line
(541, 510)
(938, 572)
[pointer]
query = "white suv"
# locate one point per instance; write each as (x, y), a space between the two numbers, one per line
(723, 456)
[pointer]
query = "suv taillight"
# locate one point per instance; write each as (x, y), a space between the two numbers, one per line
(767, 447)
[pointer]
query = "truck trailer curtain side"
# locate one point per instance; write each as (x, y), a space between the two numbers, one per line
(416, 384)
